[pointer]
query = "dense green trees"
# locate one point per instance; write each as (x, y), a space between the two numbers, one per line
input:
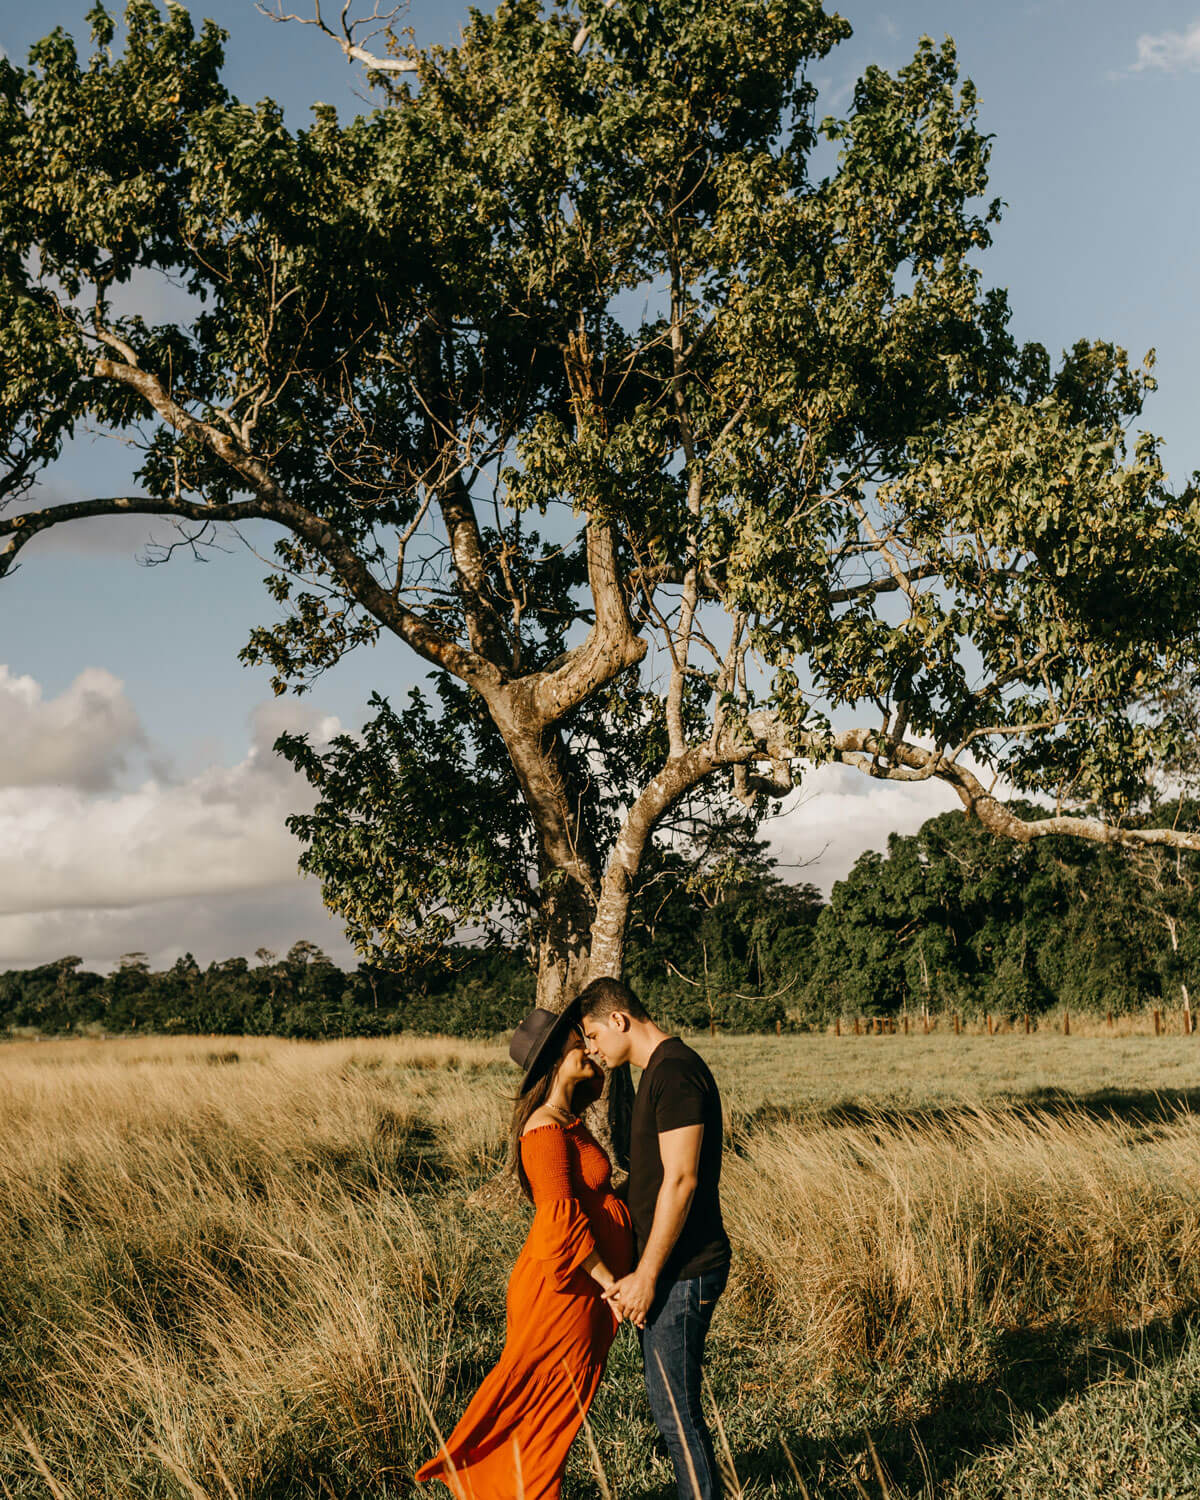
(952, 918)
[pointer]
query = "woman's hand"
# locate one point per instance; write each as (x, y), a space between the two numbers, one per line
(602, 1276)
(631, 1297)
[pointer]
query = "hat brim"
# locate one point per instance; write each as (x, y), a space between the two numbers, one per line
(546, 1053)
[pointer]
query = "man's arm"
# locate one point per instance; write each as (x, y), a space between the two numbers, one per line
(680, 1151)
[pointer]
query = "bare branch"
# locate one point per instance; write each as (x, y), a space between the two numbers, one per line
(766, 737)
(275, 505)
(353, 52)
(21, 530)
(898, 579)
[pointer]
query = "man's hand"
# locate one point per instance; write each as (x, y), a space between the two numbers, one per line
(631, 1296)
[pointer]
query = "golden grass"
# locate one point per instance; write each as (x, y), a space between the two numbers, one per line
(869, 1240)
(242, 1278)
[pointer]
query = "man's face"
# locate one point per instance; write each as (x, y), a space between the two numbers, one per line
(607, 1038)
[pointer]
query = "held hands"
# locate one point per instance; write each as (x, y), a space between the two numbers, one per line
(630, 1297)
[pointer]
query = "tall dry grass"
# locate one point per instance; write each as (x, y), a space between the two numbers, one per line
(242, 1268)
(877, 1240)
(213, 1268)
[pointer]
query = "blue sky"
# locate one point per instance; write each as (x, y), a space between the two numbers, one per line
(1095, 108)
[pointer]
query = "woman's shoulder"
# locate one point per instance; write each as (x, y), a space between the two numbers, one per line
(542, 1119)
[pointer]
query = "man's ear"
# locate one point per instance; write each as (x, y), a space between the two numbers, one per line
(620, 1020)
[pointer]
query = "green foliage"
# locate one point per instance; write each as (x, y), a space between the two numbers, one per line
(418, 828)
(301, 994)
(953, 918)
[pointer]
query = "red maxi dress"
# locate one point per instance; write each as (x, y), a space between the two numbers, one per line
(512, 1441)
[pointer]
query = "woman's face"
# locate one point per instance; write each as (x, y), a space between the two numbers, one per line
(575, 1065)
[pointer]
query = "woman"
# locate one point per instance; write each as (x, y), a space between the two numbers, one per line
(513, 1438)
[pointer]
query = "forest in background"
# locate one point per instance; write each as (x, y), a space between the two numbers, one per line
(949, 918)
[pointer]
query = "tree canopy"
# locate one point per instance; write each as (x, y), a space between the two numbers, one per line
(675, 429)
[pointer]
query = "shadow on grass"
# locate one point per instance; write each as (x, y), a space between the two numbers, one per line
(1142, 1107)
(1034, 1373)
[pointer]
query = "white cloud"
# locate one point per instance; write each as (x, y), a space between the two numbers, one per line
(841, 813)
(199, 863)
(1169, 51)
(82, 739)
(206, 864)
(214, 928)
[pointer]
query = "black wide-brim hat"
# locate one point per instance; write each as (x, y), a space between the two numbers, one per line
(538, 1040)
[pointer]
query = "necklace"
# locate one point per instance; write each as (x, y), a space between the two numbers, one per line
(564, 1115)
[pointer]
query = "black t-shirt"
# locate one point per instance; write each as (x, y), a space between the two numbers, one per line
(677, 1089)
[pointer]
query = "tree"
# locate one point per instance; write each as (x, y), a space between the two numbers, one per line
(682, 454)
(953, 917)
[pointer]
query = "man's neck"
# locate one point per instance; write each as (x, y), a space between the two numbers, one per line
(646, 1037)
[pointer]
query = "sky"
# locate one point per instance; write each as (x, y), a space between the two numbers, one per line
(141, 806)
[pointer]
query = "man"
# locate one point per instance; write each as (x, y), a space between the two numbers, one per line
(674, 1201)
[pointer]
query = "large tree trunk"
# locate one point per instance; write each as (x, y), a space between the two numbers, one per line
(564, 952)
(564, 967)
(607, 962)
(568, 886)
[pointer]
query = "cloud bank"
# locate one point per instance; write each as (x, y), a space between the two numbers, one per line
(93, 866)
(1169, 51)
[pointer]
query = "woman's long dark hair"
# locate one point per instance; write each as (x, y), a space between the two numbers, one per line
(584, 1096)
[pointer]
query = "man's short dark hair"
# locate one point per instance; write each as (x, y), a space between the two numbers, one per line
(600, 998)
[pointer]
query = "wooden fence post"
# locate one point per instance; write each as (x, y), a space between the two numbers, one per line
(856, 1026)
(905, 1023)
(778, 1028)
(989, 1021)
(1187, 1013)
(1027, 1023)
(1110, 1020)
(837, 1025)
(957, 1027)
(1066, 1023)
(1157, 1022)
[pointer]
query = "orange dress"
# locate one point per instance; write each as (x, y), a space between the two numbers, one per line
(513, 1438)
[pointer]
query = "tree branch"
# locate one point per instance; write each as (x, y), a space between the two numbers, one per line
(274, 504)
(864, 749)
(584, 31)
(612, 644)
(22, 529)
(897, 580)
(346, 42)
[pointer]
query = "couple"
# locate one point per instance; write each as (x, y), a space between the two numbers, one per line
(576, 1279)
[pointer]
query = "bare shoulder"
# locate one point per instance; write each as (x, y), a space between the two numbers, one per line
(539, 1118)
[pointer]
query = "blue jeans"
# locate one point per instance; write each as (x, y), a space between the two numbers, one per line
(672, 1353)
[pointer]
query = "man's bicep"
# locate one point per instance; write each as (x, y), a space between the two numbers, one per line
(680, 1150)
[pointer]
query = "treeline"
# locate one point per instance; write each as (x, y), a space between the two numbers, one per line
(950, 917)
(730, 960)
(954, 918)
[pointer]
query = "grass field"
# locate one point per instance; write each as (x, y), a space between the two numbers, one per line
(965, 1267)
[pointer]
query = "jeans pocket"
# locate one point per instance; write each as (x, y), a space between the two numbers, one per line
(712, 1284)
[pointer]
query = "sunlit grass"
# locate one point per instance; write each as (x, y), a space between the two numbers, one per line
(245, 1267)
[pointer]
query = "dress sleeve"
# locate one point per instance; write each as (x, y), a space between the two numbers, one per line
(560, 1237)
